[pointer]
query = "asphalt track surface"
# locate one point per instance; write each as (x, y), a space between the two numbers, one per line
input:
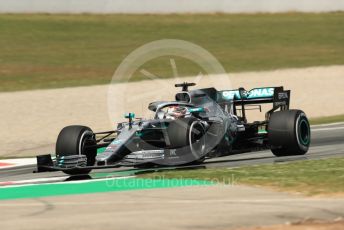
(327, 141)
(191, 207)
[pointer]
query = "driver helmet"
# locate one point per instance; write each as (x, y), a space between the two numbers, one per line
(174, 112)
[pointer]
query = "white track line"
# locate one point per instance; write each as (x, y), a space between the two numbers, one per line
(17, 162)
(20, 161)
(326, 125)
(32, 182)
(327, 129)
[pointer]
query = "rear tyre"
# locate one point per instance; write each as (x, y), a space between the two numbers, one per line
(289, 133)
(75, 140)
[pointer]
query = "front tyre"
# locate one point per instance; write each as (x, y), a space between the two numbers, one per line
(188, 135)
(73, 143)
(289, 133)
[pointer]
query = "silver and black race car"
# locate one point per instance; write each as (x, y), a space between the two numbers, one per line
(198, 124)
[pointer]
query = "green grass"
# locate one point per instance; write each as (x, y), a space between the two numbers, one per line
(327, 120)
(49, 51)
(311, 177)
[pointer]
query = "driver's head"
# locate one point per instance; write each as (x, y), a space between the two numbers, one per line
(176, 111)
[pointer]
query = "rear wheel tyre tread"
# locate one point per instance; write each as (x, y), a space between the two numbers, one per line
(289, 133)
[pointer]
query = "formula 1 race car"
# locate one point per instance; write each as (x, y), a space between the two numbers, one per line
(198, 124)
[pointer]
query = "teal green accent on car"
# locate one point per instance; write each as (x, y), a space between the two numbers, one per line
(129, 115)
(94, 186)
(196, 110)
(305, 139)
(262, 131)
(230, 94)
(261, 93)
(252, 94)
(101, 150)
(61, 161)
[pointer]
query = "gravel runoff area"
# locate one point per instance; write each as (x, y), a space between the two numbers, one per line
(31, 120)
(220, 207)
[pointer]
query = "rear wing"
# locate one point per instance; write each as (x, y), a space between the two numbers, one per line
(276, 95)
(279, 97)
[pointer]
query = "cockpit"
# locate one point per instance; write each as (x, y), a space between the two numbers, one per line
(199, 102)
(173, 112)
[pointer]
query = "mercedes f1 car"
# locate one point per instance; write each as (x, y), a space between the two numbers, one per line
(198, 124)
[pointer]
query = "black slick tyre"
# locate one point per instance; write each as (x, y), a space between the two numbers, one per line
(188, 134)
(75, 140)
(289, 133)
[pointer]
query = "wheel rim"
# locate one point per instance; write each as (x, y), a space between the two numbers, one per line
(304, 132)
(197, 139)
(85, 138)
